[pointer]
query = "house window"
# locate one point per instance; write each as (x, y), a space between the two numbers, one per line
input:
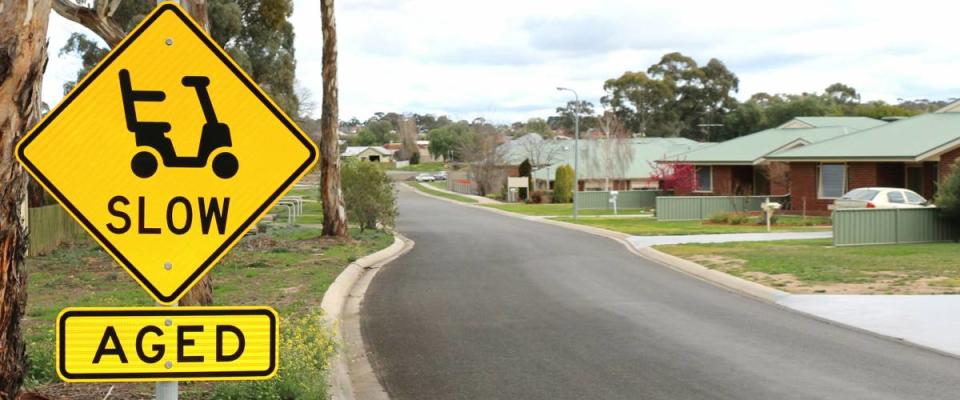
(833, 181)
(704, 178)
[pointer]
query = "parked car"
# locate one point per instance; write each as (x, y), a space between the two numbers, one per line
(440, 176)
(425, 178)
(879, 197)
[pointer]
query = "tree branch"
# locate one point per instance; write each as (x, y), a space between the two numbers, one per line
(98, 19)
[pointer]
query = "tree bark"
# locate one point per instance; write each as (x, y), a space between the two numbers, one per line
(23, 58)
(98, 19)
(334, 213)
(202, 293)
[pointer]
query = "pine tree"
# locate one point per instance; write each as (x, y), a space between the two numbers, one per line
(563, 185)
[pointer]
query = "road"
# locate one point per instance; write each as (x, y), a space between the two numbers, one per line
(491, 307)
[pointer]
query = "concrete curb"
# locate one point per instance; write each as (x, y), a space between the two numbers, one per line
(351, 375)
(698, 271)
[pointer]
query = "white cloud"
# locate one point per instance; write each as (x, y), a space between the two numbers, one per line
(502, 59)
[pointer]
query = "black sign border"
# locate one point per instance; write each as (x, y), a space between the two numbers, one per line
(221, 54)
(61, 339)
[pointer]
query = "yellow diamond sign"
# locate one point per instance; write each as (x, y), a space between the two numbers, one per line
(167, 153)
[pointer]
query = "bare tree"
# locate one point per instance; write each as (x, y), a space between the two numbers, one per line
(777, 173)
(487, 159)
(541, 152)
(334, 212)
(23, 58)
(97, 15)
(612, 155)
(306, 103)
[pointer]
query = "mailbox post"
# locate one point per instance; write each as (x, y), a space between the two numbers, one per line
(613, 200)
(768, 209)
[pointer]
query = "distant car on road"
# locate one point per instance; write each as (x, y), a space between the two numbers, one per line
(880, 197)
(425, 178)
(440, 176)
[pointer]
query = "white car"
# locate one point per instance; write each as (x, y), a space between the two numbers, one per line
(425, 178)
(879, 197)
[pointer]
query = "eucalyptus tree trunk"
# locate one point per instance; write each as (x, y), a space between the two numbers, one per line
(23, 57)
(334, 213)
(202, 292)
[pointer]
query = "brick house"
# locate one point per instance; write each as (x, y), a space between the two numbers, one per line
(737, 166)
(605, 164)
(915, 153)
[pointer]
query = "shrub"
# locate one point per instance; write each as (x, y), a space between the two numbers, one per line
(738, 219)
(536, 197)
(306, 347)
(415, 158)
(563, 185)
(948, 195)
(731, 218)
(720, 217)
(368, 194)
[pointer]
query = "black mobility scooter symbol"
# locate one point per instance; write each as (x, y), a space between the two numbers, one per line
(153, 134)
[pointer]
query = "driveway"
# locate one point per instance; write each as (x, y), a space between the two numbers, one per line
(492, 307)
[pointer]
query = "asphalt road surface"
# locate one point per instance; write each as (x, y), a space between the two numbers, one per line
(492, 307)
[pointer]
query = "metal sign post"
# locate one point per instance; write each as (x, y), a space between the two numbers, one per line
(167, 390)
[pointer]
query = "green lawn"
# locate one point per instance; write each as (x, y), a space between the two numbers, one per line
(312, 208)
(815, 266)
(423, 167)
(426, 189)
(652, 227)
(559, 209)
(288, 269)
(438, 184)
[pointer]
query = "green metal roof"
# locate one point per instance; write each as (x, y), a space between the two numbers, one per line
(905, 139)
(854, 123)
(751, 148)
(596, 155)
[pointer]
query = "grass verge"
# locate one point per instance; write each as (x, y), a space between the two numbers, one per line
(288, 269)
(652, 227)
(815, 266)
(426, 189)
(560, 209)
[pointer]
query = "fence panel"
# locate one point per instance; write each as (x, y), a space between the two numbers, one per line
(891, 226)
(625, 199)
(679, 208)
(690, 208)
(590, 200)
(51, 226)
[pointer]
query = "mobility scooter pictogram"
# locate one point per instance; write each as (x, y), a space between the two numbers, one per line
(214, 134)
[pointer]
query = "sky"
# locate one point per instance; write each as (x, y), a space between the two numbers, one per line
(503, 59)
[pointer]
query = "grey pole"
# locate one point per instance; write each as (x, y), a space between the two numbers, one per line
(167, 390)
(576, 147)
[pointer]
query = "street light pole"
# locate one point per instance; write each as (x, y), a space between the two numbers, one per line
(576, 146)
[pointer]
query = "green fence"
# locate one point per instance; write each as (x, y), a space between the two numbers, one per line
(51, 226)
(891, 226)
(690, 208)
(625, 199)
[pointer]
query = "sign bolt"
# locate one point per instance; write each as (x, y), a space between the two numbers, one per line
(169, 41)
(168, 322)
(167, 265)
(168, 364)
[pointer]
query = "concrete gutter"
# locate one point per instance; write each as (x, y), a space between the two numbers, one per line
(351, 375)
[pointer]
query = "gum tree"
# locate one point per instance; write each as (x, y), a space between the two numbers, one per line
(23, 57)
